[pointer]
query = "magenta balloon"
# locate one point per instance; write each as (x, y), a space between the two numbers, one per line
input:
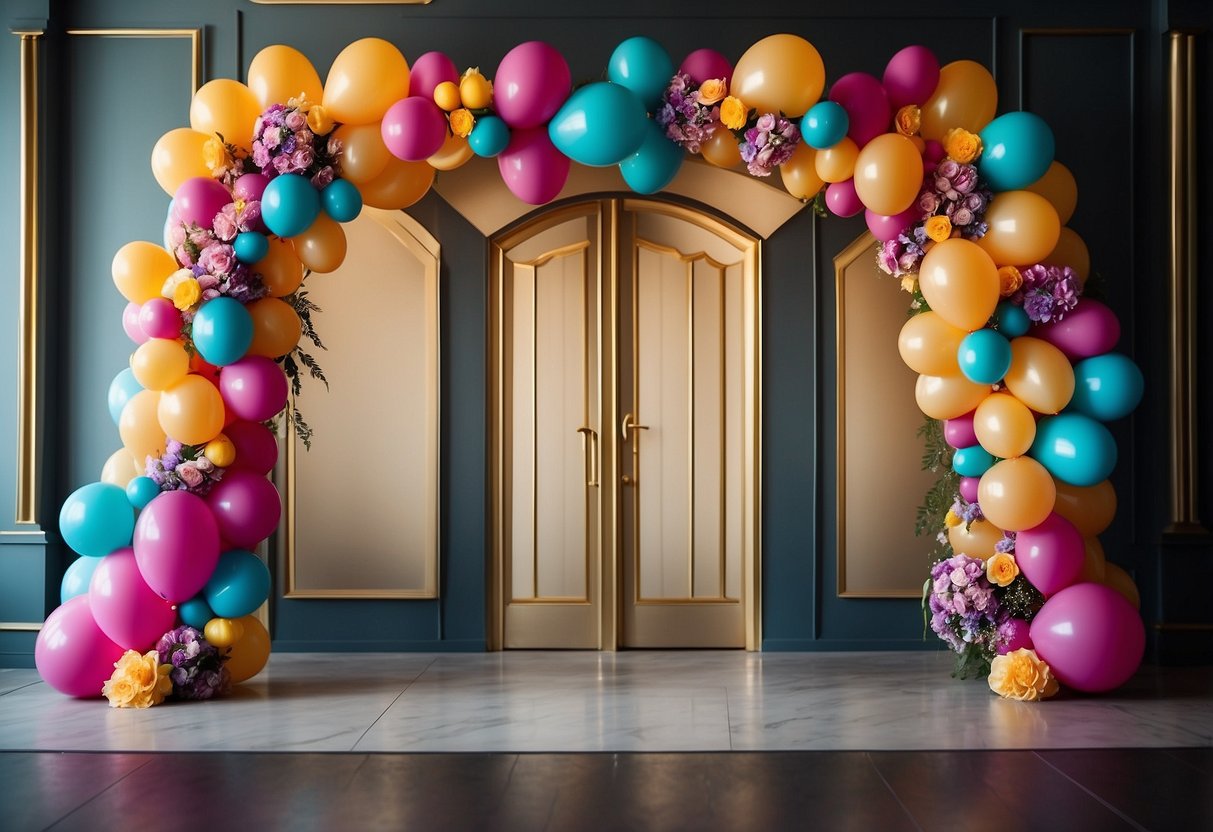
(842, 200)
(885, 228)
(1050, 555)
(253, 388)
(705, 64)
(256, 446)
(176, 544)
(413, 129)
(866, 103)
(1089, 329)
(533, 169)
(532, 81)
(933, 152)
(71, 652)
(198, 200)
(1018, 633)
(430, 70)
(250, 186)
(126, 609)
(246, 507)
(158, 318)
(130, 323)
(1090, 636)
(968, 488)
(911, 76)
(959, 432)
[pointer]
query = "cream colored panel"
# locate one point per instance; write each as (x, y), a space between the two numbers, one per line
(707, 445)
(522, 497)
(734, 428)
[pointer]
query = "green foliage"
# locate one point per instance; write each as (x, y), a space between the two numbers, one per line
(973, 662)
(937, 458)
(297, 360)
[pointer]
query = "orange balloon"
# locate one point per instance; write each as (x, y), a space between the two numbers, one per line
(799, 172)
(399, 185)
(227, 108)
(722, 150)
(1004, 425)
(888, 174)
(1071, 251)
(455, 151)
(248, 655)
(837, 163)
(159, 363)
(140, 269)
(322, 247)
(1016, 494)
(1090, 508)
(1119, 580)
(780, 73)
(960, 282)
(363, 153)
(279, 73)
(1058, 186)
(221, 451)
(121, 468)
(276, 327)
(1023, 229)
(946, 397)
(191, 411)
(177, 157)
(223, 632)
(138, 426)
(366, 78)
(1040, 376)
(280, 269)
(966, 96)
(928, 344)
(1095, 564)
(977, 541)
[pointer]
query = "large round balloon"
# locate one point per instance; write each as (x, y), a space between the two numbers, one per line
(966, 96)
(71, 652)
(655, 164)
(1075, 448)
(124, 606)
(198, 200)
(911, 76)
(256, 447)
(251, 651)
(601, 124)
(1050, 555)
(122, 389)
(643, 66)
(1040, 376)
(1004, 425)
(253, 388)
(427, 72)
(414, 129)
(946, 397)
(1090, 328)
(960, 282)
(176, 545)
(1107, 387)
(366, 78)
(239, 585)
(972, 461)
(191, 411)
(1090, 636)
(96, 519)
(278, 73)
(780, 73)
(867, 106)
(888, 174)
(223, 331)
(177, 156)
(76, 578)
(1023, 228)
(533, 80)
(276, 328)
(246, 507)
(140, 268)
(928, 344)
(1016, 494)
(226, 108)
(531, 166)
(159, 363)
(1018, 149)
(289, 205)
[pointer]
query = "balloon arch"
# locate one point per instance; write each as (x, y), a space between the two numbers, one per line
(969, 208)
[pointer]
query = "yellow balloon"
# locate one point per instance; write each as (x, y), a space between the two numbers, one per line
(780, 73)
(1023, 229)
(276, 327)
(446, 96)
(191, 411)
(139, 427)
(455, 151)
(279, 73)
(399, 185)
(1040, 376)
(159, 363)
(322, 247)
(227, 108)
(1090, 508)
(475, 91)
(966, 96)
(977, 541)
(960, 282)
(1016, 494)
(221, 451)
(366, 78)
(946, 397)
(223, 632)
(1004, 425)
(177, 157)
(1119, 580)
(1071, 251)
(888, 174)
(120, 468)
(363, 153)
(837, 163)
(799, 172)
(249, 653)
(1058, 186)
(1095, 563)
(140, 269)
(722, 150)
(280, 269)
(928, 344)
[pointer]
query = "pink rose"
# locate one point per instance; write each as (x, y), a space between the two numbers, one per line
(960, 577)
(965, 179)
(271, 140)
(204, 465)
(190, 475)
(261, 156)
(282, 164)
(225, 225)
(183, 255)
(201, 237)
(766, 123)
(928, 202)
(208, 294)
(302, 158)
(304, 136)
(218, 259)
(207, 281)
(334, 147)
(295, 120)
(323, 178)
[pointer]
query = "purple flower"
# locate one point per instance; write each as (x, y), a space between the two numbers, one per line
(965, 179)
(1039, 307)
(961, 216)
(947, 169)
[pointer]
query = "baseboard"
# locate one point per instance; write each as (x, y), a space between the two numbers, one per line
(859, 645)
(384, 646)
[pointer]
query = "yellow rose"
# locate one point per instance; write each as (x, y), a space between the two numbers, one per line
(909, 283)
(1021, 675)
(1009, 281)
(962, 145)
(950, 519)
(138, 681)
(186, 294)
(216, 157)
(712, 90)
(909, 120)
(939, 228)
(733, 113)
(462, 122)
(171, 282)
(1002, 569)
(319, 121)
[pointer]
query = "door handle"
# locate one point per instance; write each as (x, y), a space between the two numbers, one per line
(589, 447)
(629, 424)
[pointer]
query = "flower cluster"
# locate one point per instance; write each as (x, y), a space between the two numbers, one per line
(963, 606)
(952, 191)
(139, 681)
(184, 468)
(291, 138)
(768, 144)
(210, 267)
(197, 670)
(1047, 293)
(901, 255)
(689, 114)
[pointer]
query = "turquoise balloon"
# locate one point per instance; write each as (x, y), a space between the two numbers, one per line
(1074, 448)
(251, 246)
(239, 584)
(76, 578)
(96, 519)
(195, 612)
(1011, 320)
(141, 491)
(289, 204)
(984, 356)
(489, 136)
(600, 124)
(223, 331)
(824, 125)
(655, 164)
(1018, 149)
(1106, 387)
(342, 200)
(971, 462)
(643, 66)
(122, 389)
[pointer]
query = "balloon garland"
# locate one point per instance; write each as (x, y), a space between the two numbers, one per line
(969, 209)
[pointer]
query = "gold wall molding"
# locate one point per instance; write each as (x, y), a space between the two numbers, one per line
(193, 35)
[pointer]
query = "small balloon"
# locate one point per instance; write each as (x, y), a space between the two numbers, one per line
(1087, 330)
(489, 136)
(655, 164)
(428, 71)
(531, 166)
(1107, 387)
(246, 507)
(191, 411)
(867, 106)
(289, 205)
(256, 447)
(249, 654)
(1075, 448)
(1004, 425)
(141, 491)
(984, 356)
(532, 81)
(841, 198)
(1050, 555)
(643, 66)
(251, 246)
(1011, 320)
(76, 578)
(253, 388)
(158, 318)
(706, 65)
(971, 462)
(1016, 494)
(96, 519)
(122, 389)
(223, 331)
(1018, 150)
(366, 77)
(414, 129)
(961, 432)
(239, 585)
(195, 612)
(824, 125)
(1040, 376)
(911, 75)
(928, 344)
(1090, 508)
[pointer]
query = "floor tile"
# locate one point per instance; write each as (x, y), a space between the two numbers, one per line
(39, 788)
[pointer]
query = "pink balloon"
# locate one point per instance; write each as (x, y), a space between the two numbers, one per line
(246, 507)
(253, 388)
(842, 200)
(1050, 555)
(130, 323)
(887, 228)
(1019, 635)
(176, 544)
(866, 103)
(533, 169)
(413, 129)
(705, 64)
(1090, 636)
(126, 609)
(968, 488)
(911, 76)
(1090, 328)
(250, 186)
(256, 446)
(959, 432)
(198, 200)
(72, 654)
(158, 318)
(430, 70)
(532, 81)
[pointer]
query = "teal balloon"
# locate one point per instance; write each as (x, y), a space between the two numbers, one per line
(223, 331)
(984, 356)
(76, 578)
(141, 491)
(1011, 320)
(122, 389)
(1018, 149)
(342, 200)
(251, 246)
(289, 204)
(600, 124)
(489, 136)
(643, 66)
(971, 462)
(824, 125)
(239, 584)
(655, 164)
(1074, 448)
(96, 519)
(1106, 387)
(195, 612)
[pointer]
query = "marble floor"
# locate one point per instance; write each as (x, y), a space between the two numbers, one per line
(650, 701)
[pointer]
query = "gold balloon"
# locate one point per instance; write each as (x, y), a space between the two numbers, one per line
(1119, 580)
(191, 411)
(977, 541)
(960, 282)
(223, 632)
(1040, 376)
(121, 468)
(1058, 186)
(279, 73)
(947, 397)
(366, 78)
(888, 174)
(837, 163)
(1070, 251)
(1023, 229)
(966, 96)
(928, 344)
(227, 108)
(799, 172)
(322, 247)
(280, 269)
(1004, 425)
(139, 426)
(399, 185)
(1090, 508)
(249, 653)
(140, 269)
(276, 327)
(1016, 494)
(455, 151)
(363, 153)
(721, 149)
(1095, 564)
(177, 157)
(780, 73)
(159, 363)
